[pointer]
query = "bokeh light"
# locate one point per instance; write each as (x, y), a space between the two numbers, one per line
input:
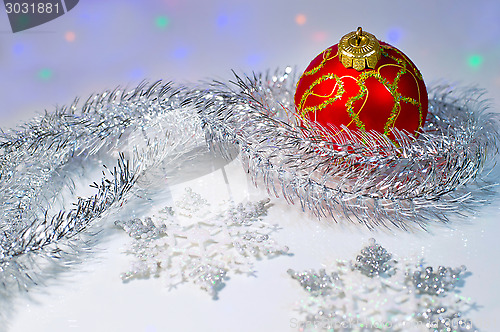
(180, 53)
(162, 22)
(18, 48)
(254, 59)
(394, 35)
(319, 36)
(222, 21)
(70, 36)
(300, 19)
(136, 74)
(172, 3)
(23, 21)
(475, 61)
(45, 74)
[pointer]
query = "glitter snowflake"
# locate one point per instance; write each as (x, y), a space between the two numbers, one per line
(376, 293)
(193, 241)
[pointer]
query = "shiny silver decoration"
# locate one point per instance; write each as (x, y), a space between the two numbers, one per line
(46, 224)
(193, 241)
(374, 260)
(426, 281)
(438, 319)
(362, 177)
(346, 297)
(141, 229)
(209, 277)
(316, 283)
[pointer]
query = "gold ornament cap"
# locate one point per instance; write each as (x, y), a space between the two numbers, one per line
(359, 50)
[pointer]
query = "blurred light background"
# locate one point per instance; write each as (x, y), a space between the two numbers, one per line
(102, 44)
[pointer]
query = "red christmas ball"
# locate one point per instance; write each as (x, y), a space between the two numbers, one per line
(364, 85)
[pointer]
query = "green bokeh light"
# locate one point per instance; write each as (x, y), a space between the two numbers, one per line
(23, 21)
(475, 61)
(45, 74)
(162, 22)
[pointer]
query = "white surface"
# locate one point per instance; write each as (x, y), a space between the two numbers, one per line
(93, 298)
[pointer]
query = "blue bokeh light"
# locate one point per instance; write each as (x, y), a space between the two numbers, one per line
(18, 48)
(394, 35)
(136, 74)
(180, 53)
(254, 59)
(222, 21)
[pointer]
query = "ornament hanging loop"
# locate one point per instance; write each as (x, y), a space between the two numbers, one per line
(359, 33)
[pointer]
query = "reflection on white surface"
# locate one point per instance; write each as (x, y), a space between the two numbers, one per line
(93, 297)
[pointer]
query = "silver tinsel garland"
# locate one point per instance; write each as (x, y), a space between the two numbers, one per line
(42, 233)
(362, 177)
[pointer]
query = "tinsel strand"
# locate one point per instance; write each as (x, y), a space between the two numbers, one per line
(142, 127)
(360, 176)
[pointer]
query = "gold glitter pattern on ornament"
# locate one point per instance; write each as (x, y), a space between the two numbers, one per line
(415, 69)
(326, 57)
(338, 95)
(398, 98)
(402, 64)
